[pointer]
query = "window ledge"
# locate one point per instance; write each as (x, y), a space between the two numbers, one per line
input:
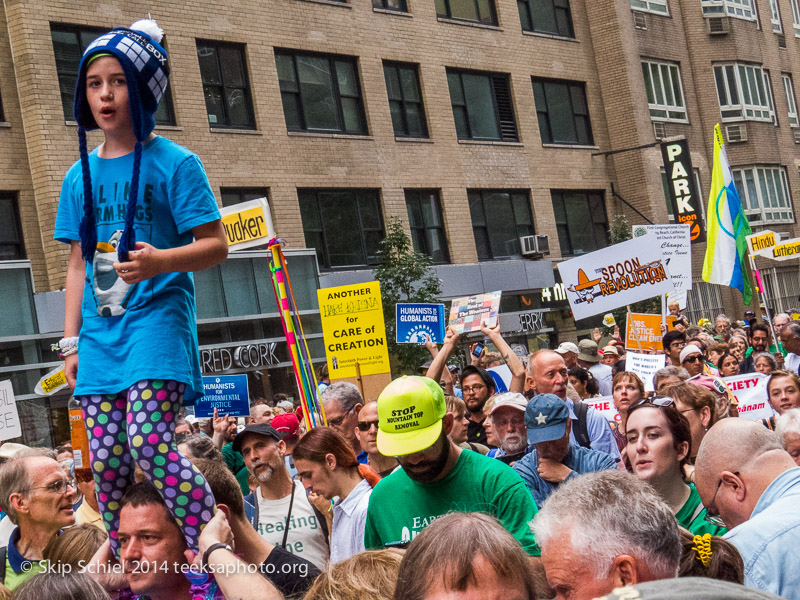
(235, 131)
(329, 136)
(675, 121)
(550, 36)
(572, 146)
(489, 143)
(330, 3)
(5, 124)
(413, 140)
(469, 24)
(396, 13)
(169, 127)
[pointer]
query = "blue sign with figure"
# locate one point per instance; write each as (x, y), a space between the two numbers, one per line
(417, 321)
(227, 393)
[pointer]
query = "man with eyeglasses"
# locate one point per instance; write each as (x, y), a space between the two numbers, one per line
(367, 434)
(674, 342)
(749, 483)
(342, 402)
(37, 497)
(508, 419)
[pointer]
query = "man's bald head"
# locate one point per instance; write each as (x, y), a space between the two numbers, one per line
(547, 373)
(732, 443)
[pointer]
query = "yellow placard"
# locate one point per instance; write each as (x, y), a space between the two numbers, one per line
(761, 242)
(643, 332)
(52, 382)
(786, 251)
(248, 224)
(353, 330)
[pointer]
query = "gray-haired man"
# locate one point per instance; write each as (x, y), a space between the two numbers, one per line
(342, 402)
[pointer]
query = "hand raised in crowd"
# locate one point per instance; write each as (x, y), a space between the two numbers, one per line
(493, 331)
(432, 347)
(450, 337)
(552, 470)
(596, 335)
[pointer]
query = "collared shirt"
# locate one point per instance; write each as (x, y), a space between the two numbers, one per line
(579, 459)
(601, 437)
(86, 514)
(19, 568)
(349, 520)
(769, 539)
(604, 376)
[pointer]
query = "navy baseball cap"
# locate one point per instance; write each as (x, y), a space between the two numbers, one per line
(546, 418)
(260, 429)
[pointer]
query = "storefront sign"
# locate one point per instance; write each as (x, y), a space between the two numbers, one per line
(467, 313)
(353, 330)
(676, 250)
(615, 276)
(52, 382)
(247, 224)
(415, 322)
(761, 243)
(682, 188)
(526, 321)
(10, 427)
(643, 332)
(227, 393)
(645, 366)
(220, 360)
(750, 390)
(786, 251)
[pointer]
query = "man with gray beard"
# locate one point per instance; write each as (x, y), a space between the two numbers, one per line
(283, 515)
(508, 420)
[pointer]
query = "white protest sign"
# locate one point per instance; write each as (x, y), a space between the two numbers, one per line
(605, 406)
(750, 390)
(502, 377)
(676, 248)
(679, 297)
(645, 366)
(10, 426)
(615, 276)
(247, 224)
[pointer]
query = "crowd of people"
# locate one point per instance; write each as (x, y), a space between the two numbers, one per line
(446, 486)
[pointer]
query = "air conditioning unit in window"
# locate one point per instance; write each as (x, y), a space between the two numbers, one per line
(781, 40)
(796, 134)
(660, 130)
(534, 244)
(735, 134)
(639, 19)
(718, 26)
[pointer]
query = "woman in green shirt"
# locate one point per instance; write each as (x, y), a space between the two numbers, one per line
(659, 444)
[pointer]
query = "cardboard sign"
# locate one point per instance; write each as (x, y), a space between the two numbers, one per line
(353, 330)
(467, 313)
(605, 406)
(643, 332)
(247, 224)
(227, 393)
(750, 390)
(10, 426)
(679, 296)
(683, 192)
(615, 276)
(645, 366)
(676, 250)
(52, 382)
(785, 251)
(761, 243)
(417, 321)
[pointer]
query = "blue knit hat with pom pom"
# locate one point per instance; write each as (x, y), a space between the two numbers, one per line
(146, 69)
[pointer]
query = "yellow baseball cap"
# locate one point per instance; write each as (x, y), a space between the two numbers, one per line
(410, 413)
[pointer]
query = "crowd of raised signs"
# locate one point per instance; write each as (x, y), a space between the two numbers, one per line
(445, 487)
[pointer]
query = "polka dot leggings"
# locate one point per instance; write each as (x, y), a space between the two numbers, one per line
(138, 425)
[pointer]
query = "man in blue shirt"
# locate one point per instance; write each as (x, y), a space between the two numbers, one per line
(554, 459)
(749, 482)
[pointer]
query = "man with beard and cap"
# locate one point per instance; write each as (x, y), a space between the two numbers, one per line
(437, 477)
(508, 420)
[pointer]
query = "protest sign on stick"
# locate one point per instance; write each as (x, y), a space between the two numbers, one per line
(645, 366)
(467, 313)
(415, 322)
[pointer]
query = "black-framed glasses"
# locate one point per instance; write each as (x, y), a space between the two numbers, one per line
(713, 517)
(339, 420)
(366, 425)
(59, 487)
(662, 401)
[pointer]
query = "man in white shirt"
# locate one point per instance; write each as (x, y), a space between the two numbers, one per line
(790, 338)
(283, 515)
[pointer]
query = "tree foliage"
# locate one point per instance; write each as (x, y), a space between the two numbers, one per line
(405, 276)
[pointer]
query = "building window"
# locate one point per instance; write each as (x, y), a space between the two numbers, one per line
(499, 219)
(482, 106)
(345, 226)
(581, 221)
(563, 112)
(658, 7)
(764, 192)
(223, 69)
(783, 287)
(479, 11)
(703, 299)
(427, 226)
(320, 92)
(231, 196)
(791, 102)
(795, 16)
(740, 9)
(662, 82)
(398, 5)
(744, 92)
(546, 16)
(405, 99)
(11, 245)
(775, 16)
(69, 44)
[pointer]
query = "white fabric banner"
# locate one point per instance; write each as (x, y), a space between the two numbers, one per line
(750, 390)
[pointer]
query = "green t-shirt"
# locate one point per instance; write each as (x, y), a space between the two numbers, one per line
(236, 464)
(399, 507)
(14, 580)
(692, 516)
(772, 350)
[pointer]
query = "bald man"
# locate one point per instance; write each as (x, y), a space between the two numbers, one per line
(744, 476)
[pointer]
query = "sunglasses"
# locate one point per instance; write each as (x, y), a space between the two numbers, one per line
(366, 425)
(662, 401)
(693, 358)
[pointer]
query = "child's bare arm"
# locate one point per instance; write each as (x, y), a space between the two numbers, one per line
(209, 248)
(76, 274)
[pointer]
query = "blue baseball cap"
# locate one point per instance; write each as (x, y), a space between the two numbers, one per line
(546, 418)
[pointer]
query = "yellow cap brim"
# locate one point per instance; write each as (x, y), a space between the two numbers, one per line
(408, 442)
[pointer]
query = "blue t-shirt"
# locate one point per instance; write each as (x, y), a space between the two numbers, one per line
(146, 330)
